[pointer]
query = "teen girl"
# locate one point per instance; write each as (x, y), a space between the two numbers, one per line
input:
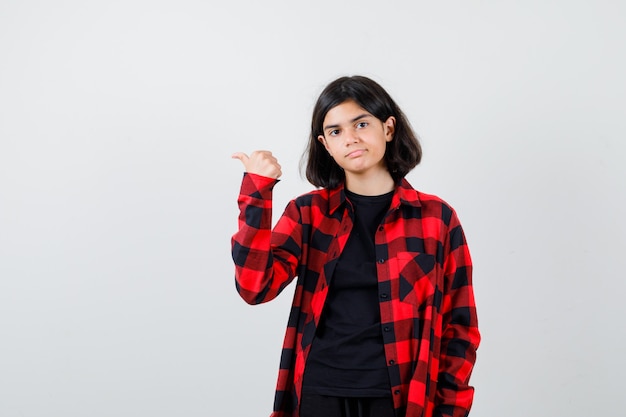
(383, 322)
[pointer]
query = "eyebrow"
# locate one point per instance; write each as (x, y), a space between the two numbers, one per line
(361, 116)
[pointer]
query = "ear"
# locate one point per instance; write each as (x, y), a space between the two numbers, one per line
(390, 128)
(322, 139)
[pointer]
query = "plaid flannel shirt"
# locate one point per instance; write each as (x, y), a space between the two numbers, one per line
(428, 314)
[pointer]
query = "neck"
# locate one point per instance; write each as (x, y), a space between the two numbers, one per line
(376, 184)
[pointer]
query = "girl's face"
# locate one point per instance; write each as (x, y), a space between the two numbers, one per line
(356, 139)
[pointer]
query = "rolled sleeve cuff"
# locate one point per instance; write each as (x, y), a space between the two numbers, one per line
(257, 186)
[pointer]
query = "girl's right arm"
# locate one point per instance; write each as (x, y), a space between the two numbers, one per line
(265, 261)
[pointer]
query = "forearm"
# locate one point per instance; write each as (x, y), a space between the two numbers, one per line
(460, 335)
(260, 274)
(454, 396)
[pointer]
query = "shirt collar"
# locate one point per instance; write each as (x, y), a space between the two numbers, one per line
(404, 194)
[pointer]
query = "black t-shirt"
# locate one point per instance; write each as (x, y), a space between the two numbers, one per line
(347, 355)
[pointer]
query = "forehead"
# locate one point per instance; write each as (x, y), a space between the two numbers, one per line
(344, 112)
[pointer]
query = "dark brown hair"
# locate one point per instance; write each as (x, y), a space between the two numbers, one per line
(403, 153)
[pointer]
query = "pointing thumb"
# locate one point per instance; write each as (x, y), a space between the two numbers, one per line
(241, 156)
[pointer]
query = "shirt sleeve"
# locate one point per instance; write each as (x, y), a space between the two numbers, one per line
(265, 260)
(460, 337)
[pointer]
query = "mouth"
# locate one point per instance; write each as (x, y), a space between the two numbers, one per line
(356, 153)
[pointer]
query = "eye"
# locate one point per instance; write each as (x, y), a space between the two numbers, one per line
(333, 132)
(361, 125)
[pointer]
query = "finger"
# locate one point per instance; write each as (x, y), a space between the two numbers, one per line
(241, 156)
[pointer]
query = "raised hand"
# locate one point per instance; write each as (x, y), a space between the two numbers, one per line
(260, 163)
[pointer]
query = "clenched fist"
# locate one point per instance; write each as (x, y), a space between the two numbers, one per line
(260, 163)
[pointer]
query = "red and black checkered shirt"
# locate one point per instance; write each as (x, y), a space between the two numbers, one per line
(428, 314)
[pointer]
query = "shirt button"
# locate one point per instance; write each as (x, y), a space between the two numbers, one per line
(380, 228)
(391, 362)
(397, 392)
(383, 295)
(387, 328)
(381, 261)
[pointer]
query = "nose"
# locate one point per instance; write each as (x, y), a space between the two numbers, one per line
(351, 136)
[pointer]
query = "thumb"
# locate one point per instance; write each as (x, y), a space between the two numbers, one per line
(241, 156)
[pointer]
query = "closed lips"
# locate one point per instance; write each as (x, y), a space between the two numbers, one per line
(356, 152)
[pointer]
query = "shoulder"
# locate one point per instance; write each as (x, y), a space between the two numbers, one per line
(317, 197)
(318, 204)
(432, 199)
(435, 206)
(431, 205)
(320, 193)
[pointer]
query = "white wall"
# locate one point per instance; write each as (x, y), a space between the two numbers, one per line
(117, 191)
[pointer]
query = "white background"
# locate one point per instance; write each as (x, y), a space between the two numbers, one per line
(117, 191)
